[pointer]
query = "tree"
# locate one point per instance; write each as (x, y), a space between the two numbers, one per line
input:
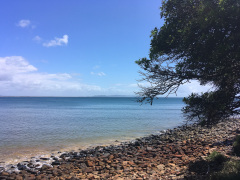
(200, 40)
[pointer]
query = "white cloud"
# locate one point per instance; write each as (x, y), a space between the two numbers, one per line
(193, 87)
(24, 23)
(57, 42)
(15, 64)
(18, 77)
(183, 91)
(98, 74)
(37, 39)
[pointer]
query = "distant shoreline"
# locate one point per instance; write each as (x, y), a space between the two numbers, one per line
(88, 96)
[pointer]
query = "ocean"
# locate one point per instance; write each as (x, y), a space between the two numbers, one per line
(31, 126)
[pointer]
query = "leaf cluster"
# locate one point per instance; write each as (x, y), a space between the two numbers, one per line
(200, 40)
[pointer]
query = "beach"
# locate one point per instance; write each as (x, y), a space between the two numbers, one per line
(43, 126)
(172, 155)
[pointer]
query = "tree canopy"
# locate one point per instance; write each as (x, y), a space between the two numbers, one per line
(200, 40)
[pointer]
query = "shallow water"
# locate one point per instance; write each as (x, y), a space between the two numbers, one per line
(40, 125)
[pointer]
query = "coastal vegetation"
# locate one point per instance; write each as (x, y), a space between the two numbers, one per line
(200, 40)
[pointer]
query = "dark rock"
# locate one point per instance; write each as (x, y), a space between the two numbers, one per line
(137, 143)
(64, 155)
(2, 168)
(45, 167)
(21, 166)
(56, 163)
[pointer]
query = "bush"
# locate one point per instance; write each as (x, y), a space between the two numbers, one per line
(230, 171)
(216, 157)
(236, 145)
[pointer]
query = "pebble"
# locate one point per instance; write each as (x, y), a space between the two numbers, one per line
(164, 156)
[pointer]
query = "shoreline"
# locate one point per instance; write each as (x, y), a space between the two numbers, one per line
(33, 153)
(166, 156)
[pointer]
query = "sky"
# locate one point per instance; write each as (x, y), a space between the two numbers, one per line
(76, 47)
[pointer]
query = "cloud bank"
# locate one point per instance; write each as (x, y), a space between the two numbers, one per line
(19, 78)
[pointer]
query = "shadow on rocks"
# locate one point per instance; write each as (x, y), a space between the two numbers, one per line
(200, 170)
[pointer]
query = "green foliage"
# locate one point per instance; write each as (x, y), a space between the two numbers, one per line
(200, 40)
(216, 157)
(230, 171)
(236, 145)
(207, 108)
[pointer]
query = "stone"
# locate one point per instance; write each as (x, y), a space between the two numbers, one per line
(83, 165)
(56, 163)
(106, 155)
(161, 166)
(111, 157)
(21, 166)
(150, 157)
(45, 167)
(4, 173)
(149, 148)
(88, 170)
(89, 163)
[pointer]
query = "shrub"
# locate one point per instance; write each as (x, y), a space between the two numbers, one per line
(216, 157)
(236, 145)
(230, 171)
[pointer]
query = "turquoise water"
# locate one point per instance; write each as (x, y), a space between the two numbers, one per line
(32, 125)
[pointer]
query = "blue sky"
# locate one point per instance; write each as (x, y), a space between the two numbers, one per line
(76, 47)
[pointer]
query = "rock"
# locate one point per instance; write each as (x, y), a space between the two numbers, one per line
(64, 155)
(111, 157)
(21, 166)
(45, 167)
(83, 165)
(150, 157)
(137, 143)
(171, 164)
(89, 163)
(2, 169)
(106, 155)
(56, 163)
(19, 177)
(161, 166)
(88, 170)
(4, 173)
(149, 148)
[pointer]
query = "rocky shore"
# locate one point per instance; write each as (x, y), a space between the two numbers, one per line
(172, 155)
